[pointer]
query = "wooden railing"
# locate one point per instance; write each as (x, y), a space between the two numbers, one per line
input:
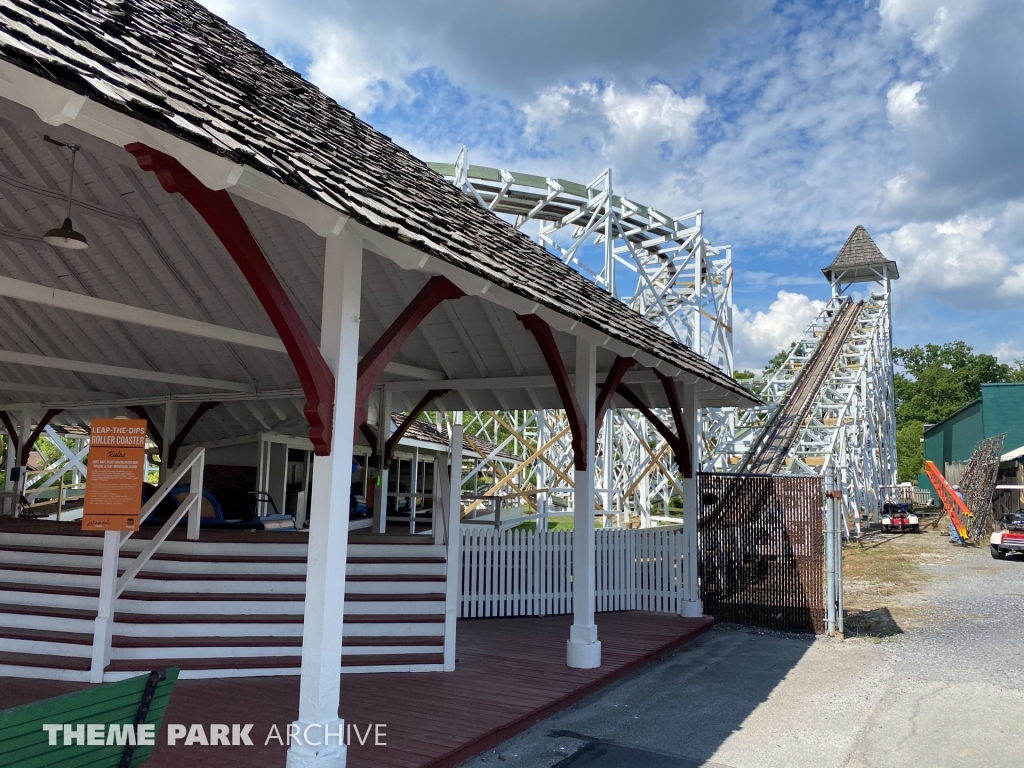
(111, 586)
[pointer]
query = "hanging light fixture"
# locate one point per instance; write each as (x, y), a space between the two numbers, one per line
(65, 236)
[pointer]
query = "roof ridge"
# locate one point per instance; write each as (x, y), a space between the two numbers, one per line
(859, 252)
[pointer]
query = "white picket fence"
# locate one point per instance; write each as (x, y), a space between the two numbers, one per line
(529, 573)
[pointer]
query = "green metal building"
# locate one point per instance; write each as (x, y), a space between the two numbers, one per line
(1000, 409)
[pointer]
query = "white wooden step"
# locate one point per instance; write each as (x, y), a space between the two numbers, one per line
(49, 648)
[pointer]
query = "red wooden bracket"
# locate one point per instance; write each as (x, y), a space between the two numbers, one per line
(392, 443)
(26, 449)
(611, 383)
(218, 210)
(577, 422)
(374, 362)
(670, 437)
(685, 443)
(197, 414)
(12, 433)
(371, 437)
(154, 433)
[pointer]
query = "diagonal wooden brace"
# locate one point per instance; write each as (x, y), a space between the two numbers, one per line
(392, 443)
(670, 437)
(12, 432)
(27, 447)
(577, 423)
(154, 433)
(197, 414)
(611, 383)
(374, 362)
(685, 442)
(219, 211)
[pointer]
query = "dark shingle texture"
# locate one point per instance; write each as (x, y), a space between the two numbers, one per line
(428, 433)
(859, 250)
(175, 66)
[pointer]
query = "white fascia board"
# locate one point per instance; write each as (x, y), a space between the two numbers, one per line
(56, 105)
(645, 359)
(115, 371)
(668, 369)
(112, 310)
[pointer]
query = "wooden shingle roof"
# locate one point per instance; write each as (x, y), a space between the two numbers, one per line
(859, 255)
(175, 66)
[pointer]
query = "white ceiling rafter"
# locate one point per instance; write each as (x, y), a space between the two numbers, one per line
(115, 371)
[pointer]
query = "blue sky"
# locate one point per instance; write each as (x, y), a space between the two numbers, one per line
(788, 123)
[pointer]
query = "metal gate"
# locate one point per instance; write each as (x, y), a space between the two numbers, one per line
(762, 545)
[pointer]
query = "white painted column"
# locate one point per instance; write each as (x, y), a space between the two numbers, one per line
(691, 605)
(320, 684)
(23, 448)
(414, 479)
(10, 505)
(101, 633)
(170, 430)
(583, 649)
(380, 490)
(608, 468)
(453, 554)
(542, 473)
(439, 521)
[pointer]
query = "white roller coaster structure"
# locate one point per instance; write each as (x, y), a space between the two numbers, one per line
(666, 269)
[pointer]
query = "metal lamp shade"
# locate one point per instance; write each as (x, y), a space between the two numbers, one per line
(66, 237)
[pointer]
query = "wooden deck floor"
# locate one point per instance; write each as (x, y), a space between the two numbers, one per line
(510, 674)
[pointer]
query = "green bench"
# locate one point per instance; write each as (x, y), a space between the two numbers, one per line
(34, 735)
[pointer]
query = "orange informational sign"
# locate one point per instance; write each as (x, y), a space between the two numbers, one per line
(117, 460)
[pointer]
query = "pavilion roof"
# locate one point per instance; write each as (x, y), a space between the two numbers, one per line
(860, 253)
(425, 432)
(175, 66)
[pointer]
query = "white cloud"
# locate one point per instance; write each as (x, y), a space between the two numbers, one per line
(956, 261)
(903, 105)
(513, 51)
(356, 71)
(759, 336)
(1008, 351)
(932, 23)
(593, 125)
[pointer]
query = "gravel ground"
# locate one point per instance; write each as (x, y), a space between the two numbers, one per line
(946, 690)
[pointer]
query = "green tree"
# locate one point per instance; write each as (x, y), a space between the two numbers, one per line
(941, 379)
(910, 451)
(776, 362)
(746, 378)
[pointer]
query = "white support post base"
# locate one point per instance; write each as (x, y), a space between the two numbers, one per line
(583, 649)
(103, 626)
(320, 681)
(691, 609)
(308, 750)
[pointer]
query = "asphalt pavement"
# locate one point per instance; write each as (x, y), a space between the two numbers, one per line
(948, 693)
